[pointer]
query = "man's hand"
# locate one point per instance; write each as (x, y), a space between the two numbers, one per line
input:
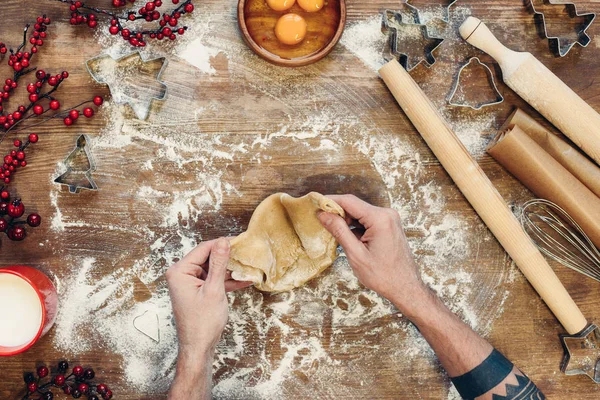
(197, 290)
(380, 257)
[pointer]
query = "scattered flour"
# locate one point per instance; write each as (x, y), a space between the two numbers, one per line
(329, 337)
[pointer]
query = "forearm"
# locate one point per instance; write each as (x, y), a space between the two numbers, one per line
(477, 370)
(193, 378)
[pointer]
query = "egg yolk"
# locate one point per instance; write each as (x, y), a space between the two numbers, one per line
(281, 5)
(290, 29)
(311, 5)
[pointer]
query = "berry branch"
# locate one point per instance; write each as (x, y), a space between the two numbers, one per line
(76, 384)
(168, 22)
(42, 89)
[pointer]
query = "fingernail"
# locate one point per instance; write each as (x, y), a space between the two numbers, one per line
(325, 218)
(222, 246)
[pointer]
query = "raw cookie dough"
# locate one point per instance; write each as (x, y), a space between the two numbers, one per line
(285, 245)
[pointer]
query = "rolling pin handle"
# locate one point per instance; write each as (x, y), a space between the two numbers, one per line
(478, 34)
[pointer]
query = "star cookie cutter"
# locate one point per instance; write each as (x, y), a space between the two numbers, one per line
(392, 24)
(577, 359)
(138, 95)
(561, 46)
(76, 179)
(446, 8)
(490, 75)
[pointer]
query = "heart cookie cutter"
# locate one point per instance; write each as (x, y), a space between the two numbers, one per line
(153, 332)
(561, 45)
(490, 75)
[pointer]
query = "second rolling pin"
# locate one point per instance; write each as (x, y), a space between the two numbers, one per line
(538, 86)
(482, 194)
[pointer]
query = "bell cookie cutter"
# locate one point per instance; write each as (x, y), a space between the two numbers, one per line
(392, 23)
(75, 179)
(561, 46)
(139, 103)
(456, 103)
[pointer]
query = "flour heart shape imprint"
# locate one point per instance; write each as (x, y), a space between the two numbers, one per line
(148, 324)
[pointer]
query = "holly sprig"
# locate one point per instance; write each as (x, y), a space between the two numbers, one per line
(168, 26)
(78, 383)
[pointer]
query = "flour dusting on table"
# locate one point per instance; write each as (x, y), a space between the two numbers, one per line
(316, 340)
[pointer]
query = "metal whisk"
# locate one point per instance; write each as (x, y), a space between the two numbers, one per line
(558, 236)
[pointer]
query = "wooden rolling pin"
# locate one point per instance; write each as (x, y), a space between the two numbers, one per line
(538, 86)
(482, 195)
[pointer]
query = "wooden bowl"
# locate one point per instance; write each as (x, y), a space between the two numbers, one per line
(296, 62)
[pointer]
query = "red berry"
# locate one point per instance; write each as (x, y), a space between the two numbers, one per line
(88, 112)
(17, 115)
(189, 8)
(59, 380)
(5, 195)
(35, 220)
(92, 23)
(89, 374)
(125, 33)
(113, 30)
(3, 225)
(68, 121)
(33, 138)
(108, 395)
(68, 389)
(64, 74)
(33, 97)
(78, 370)
(167, 31)
(74, 114)
(20, 155)
(52, 81)
(25, 63)
(16, 209)
(43, 370)
(17, 143)
(98, 101)
(32, 387)
(83, 388)
(23, 163)
(17, 234)
(101, 388)
(37, 109)
(18, 67)
(8, 160)
(31, 88)
(54, 105)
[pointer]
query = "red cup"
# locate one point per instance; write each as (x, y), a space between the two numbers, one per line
(27, 278)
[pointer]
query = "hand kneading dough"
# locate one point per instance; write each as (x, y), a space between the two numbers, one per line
(285, 244)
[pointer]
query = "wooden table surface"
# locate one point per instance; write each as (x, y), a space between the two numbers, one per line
(109, 224)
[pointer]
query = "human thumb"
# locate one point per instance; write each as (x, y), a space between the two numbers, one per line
(337, 226)
(217, 265)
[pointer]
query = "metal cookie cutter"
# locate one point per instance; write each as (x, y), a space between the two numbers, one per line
(76, 177)
(392, 24)
(457, 103)
(128, 89)
(582, 353)
(561, 45)
(446, 8)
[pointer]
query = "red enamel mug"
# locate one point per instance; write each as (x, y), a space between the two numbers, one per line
(28, 306)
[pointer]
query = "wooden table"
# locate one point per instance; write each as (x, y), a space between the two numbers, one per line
(245, 100)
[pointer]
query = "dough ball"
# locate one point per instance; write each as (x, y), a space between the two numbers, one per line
(285, 245)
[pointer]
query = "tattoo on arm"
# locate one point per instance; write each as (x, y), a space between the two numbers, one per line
(491, 373)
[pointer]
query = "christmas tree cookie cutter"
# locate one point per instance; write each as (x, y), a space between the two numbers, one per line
(562, 45)
(130, 79)
(77, 178)
(454, 101)
(394, 27)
